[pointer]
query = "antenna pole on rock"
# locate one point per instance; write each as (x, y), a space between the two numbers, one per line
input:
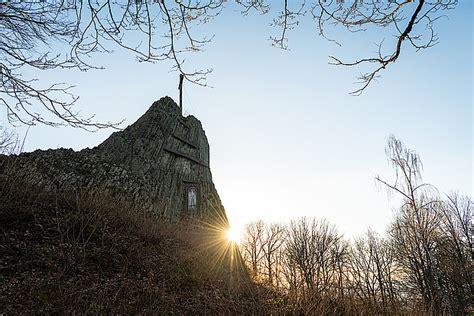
(180, 88)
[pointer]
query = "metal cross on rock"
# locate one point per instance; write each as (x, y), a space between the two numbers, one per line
(180, 88)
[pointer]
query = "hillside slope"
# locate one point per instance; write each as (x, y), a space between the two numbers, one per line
(91, 253)
(133, 225)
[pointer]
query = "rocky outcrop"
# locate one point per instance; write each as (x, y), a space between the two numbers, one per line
(161, 162)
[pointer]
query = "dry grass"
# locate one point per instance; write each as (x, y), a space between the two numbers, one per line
(81, 253)
(76, 253)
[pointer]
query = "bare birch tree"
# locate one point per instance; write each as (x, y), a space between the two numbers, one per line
(415, 230)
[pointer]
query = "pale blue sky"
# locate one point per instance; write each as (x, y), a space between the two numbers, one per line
(286, 138)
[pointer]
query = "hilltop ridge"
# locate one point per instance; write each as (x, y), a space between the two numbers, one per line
(133, 225)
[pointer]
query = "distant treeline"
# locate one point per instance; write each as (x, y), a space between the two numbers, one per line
(424, 264)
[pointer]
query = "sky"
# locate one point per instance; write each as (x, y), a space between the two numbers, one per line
(286, 138)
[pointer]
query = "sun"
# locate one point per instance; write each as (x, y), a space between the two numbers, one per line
(233, 235)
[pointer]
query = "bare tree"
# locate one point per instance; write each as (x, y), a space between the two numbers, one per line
(9, 142)
(455, 254)
(273, 239)
(415, 232)
(252, 246)
(372, 269)
(315, 249)
(423, 265)
(36, 36)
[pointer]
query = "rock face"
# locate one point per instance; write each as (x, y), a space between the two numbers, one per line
(161, 162)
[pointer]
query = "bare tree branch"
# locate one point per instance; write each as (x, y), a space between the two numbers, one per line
(39, 36)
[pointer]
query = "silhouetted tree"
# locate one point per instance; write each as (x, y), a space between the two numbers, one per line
(371, 273)
(455, 255)
(314, 248)
(47, 35)
(414, 232)
(272, 241)
(252, 246)
(424, 264)
(430, 237)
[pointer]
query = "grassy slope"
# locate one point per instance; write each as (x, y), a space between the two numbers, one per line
(61, 254)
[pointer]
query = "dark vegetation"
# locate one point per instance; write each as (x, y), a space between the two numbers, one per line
(69, 252)
(76, 253)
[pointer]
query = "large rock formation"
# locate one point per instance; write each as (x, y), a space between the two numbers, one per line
(161, 162)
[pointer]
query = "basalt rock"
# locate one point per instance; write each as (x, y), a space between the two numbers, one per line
(161, 163)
